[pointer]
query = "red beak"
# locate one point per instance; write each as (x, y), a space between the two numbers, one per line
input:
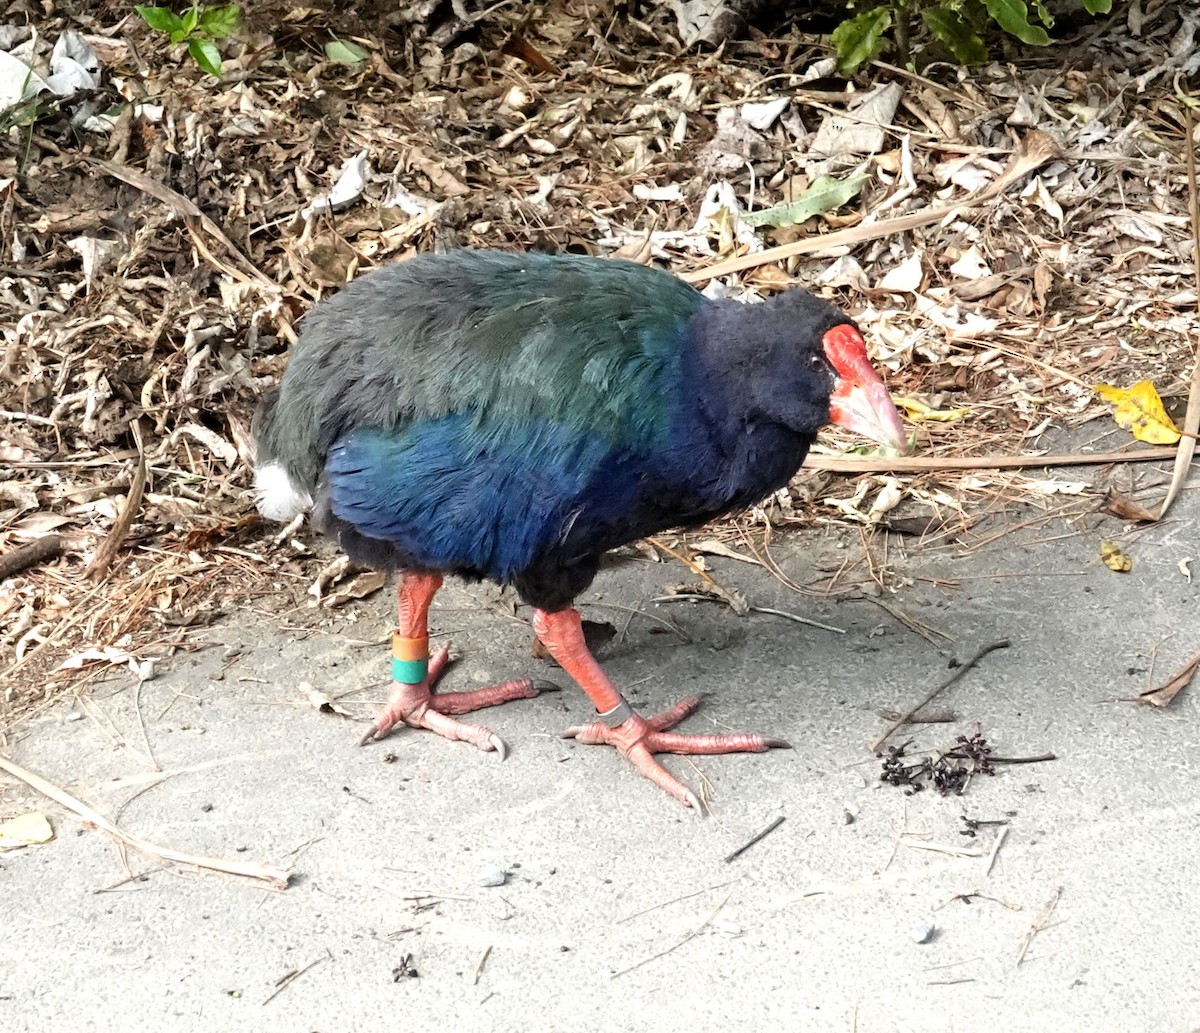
(860, 402)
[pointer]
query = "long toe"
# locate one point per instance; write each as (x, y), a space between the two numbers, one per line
(493, 695)
(735, 742)
(461, 731)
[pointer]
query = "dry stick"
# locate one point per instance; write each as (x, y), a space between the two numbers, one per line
(487, 953)
(923, 464)
(911, 712)
(755, 839)
(276, 877)
(690, 936)
(798, 619)
(286, 981)
(1191, 419)
(189, 212)
(1000, 838)
(107, 552)
(674, 900)
(43, 549)
(736, 603)
(1039, 924)
(1037, 149)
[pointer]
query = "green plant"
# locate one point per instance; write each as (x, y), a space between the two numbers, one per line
(958, 24)
(198, 27)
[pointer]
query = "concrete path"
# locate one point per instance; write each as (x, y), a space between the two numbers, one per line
(619, 911)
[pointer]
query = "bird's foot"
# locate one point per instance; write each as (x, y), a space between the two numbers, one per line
(639, 738)
(419, 707)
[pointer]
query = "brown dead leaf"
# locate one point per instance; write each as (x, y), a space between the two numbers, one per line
(715, 548)
(359, 588)
(1125, 508)
(1171, 688)
(519, 47)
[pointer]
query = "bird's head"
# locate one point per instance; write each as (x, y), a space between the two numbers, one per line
(859, 401)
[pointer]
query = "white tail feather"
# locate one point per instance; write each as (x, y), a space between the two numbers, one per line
(276, 496)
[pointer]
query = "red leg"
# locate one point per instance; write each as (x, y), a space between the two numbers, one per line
(637, 737)
(415, 704)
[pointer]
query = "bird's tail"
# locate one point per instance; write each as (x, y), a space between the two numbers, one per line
(278, 493)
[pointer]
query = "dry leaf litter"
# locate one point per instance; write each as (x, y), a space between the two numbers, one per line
(163, 234)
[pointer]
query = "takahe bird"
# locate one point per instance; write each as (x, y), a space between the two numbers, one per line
(513, 416)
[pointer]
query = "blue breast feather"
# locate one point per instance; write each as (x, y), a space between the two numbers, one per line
(449, 495)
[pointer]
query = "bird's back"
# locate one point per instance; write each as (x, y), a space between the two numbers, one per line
(525, 339)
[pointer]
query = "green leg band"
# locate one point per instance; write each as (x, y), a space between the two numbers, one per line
(410, 672)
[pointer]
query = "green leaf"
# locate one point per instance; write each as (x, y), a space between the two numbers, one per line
(190, 19)
(160, 19)
(860, 39)
(1013, 17)
(1097, 6)
(219, 22)
(960, 39)
(1044, 16)
(824, 195)
(343, 52)
(206, 55)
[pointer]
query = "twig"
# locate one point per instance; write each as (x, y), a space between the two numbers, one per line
(276, 877)
(1191, 418)
(673, 900)
(754, 839)
(922, 464)
(39, 551)
(1001, 836)
(1036, 149)
(908, 714)
(487, 953)
(107, 552)
(736, 603)
(1039, 759)
(924, 630)
(690, 936)
(938, 848)
(1039, 924)
(798, 619)
(193, 218)
(285, 981)
(137, 709)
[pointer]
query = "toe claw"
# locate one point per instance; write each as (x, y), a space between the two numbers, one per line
(691, 801)
(546, 686)
(498, 745)
(777, 744)
(372, 734)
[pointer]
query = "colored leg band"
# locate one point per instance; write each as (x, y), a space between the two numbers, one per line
(410, 659)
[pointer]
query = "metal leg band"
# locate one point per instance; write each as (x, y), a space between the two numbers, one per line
(619, 714)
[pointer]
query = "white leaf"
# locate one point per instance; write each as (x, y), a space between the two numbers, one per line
(906, 277)
(971, 266)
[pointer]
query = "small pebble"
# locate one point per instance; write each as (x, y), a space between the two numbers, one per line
(489, 876)
(923, 931)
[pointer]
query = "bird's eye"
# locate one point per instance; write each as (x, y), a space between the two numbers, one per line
(816, 363)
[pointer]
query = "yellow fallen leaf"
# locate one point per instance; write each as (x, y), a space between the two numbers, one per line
(918, 410)
(1115, 559)
(24, 830)
(1140, 411)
